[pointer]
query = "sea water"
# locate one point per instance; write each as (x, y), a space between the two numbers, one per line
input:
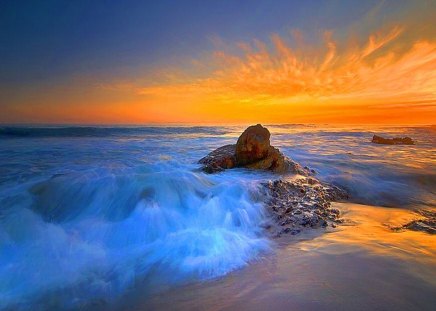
(88, 214)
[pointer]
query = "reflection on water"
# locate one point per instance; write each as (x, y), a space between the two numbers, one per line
(370, 227)
(360, 266)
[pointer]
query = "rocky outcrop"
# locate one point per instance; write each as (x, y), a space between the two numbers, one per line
(301, 204)
(426, 223)
(252, 150)
(392, 141)
(293, 205)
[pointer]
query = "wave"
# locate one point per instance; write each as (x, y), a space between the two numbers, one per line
(97, 233)
(91, 131)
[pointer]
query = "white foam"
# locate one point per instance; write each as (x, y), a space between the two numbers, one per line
(182, 225)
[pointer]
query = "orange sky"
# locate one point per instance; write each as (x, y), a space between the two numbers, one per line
(368, 84)
(381, 80)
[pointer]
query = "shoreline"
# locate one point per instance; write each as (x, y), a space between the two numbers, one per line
(323, 269)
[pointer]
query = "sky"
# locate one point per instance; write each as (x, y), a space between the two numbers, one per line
(217, 62)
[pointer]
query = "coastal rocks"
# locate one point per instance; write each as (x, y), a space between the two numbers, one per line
(392, 141)
(427, 223)
(252, 150)
(294, 205)
(300, 204)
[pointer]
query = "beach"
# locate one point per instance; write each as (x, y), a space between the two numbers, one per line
(363, 265)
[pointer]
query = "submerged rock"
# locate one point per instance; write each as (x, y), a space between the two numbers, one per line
(427, 223)
(392, 141)
(252, 150)
(302, 203)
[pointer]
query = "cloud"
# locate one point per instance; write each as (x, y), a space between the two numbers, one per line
(389, 77)
(274, 72)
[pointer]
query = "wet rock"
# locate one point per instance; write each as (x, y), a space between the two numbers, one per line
(392, 141)
(302, 204)
(276, 162)
(312, 181)
(311, 171)
(219, 159)
(427, 223)
(252, 150)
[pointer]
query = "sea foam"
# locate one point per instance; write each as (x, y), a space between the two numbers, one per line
(95, 233)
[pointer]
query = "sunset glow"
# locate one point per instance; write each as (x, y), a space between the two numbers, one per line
(277, 84)
(386, 75)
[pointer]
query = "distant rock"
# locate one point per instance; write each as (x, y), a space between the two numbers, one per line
(392, 141)
(253, 150)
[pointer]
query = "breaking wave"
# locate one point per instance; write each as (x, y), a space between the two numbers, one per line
(98, 232)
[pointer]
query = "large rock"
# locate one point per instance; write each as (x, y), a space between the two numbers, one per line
(253, 145)
(252, 150)
(392, 141)
(294, 206)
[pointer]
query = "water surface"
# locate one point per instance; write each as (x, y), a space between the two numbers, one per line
(91, 215)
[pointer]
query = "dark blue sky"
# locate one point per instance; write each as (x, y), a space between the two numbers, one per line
(48, 40)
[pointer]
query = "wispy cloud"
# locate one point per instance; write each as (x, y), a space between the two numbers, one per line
(386, 78)
(276, 73)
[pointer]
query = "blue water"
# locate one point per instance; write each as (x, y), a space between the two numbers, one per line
(88, 213)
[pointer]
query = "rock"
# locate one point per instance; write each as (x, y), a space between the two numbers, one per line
(392, 141)
(219, 159)
(252, 150)
(253, 145)
(312, 181)
(427, 223)
(304, 202)
(275, 161)
(299, 205)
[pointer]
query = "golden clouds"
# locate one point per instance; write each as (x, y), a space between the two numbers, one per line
(275, 76)
(378, 80)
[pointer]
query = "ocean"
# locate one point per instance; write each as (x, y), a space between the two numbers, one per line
(123, 218)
